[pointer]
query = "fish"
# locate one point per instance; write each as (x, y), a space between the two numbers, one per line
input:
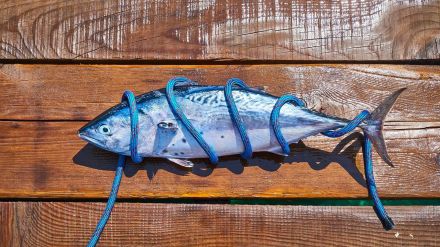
(162, 135)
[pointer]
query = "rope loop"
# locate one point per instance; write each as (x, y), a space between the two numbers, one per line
(349, 127)
(178, 113)
(235, 116)
(275, 114)
(134, 125)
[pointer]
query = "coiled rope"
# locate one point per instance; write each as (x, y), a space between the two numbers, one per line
(247, 153)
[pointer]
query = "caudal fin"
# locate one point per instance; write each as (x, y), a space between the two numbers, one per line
(374, 125)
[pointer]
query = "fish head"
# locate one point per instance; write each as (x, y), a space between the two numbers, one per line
(111, 130)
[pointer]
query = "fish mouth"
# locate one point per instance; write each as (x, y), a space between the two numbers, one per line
(82, 133)
(90, 139)
(86, 137)
(95, 142)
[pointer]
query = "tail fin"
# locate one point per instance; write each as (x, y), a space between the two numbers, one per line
(374, 125)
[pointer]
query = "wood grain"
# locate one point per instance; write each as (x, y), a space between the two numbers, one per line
(143, 224)
(220, 29)
(81, 92)
(46, 158)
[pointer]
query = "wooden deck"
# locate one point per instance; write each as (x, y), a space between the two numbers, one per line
(62, 63)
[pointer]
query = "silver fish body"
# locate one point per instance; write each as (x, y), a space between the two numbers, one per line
(161, 135)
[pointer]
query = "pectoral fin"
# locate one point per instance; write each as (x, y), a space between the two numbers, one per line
(166, 130)
(183, 163)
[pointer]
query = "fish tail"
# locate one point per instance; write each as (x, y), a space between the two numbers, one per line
(373, 125)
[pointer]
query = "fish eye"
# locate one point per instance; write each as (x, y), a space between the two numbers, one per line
(104, 129)
(162, 125)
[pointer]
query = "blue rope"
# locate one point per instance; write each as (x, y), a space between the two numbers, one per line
(239, 125)
(178, 113)
(276, 114)
(378, 207)
(134, 125)
(235, 117)
(110, 203)
(349, 127)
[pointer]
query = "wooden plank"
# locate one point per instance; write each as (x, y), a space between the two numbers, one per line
(81, 92)
(47, 159)
(143, 224)
(220, 30)
(30, 150)
(6, 224)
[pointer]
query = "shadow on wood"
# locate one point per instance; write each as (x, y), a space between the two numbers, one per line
(343, 154)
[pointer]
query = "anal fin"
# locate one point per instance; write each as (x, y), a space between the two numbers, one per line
(181, 162)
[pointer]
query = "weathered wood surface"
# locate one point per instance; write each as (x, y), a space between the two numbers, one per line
(46, 158)
(220, 29)
(81, 92)
(143, 224)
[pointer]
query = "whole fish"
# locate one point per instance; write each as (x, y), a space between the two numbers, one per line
(162, 135)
